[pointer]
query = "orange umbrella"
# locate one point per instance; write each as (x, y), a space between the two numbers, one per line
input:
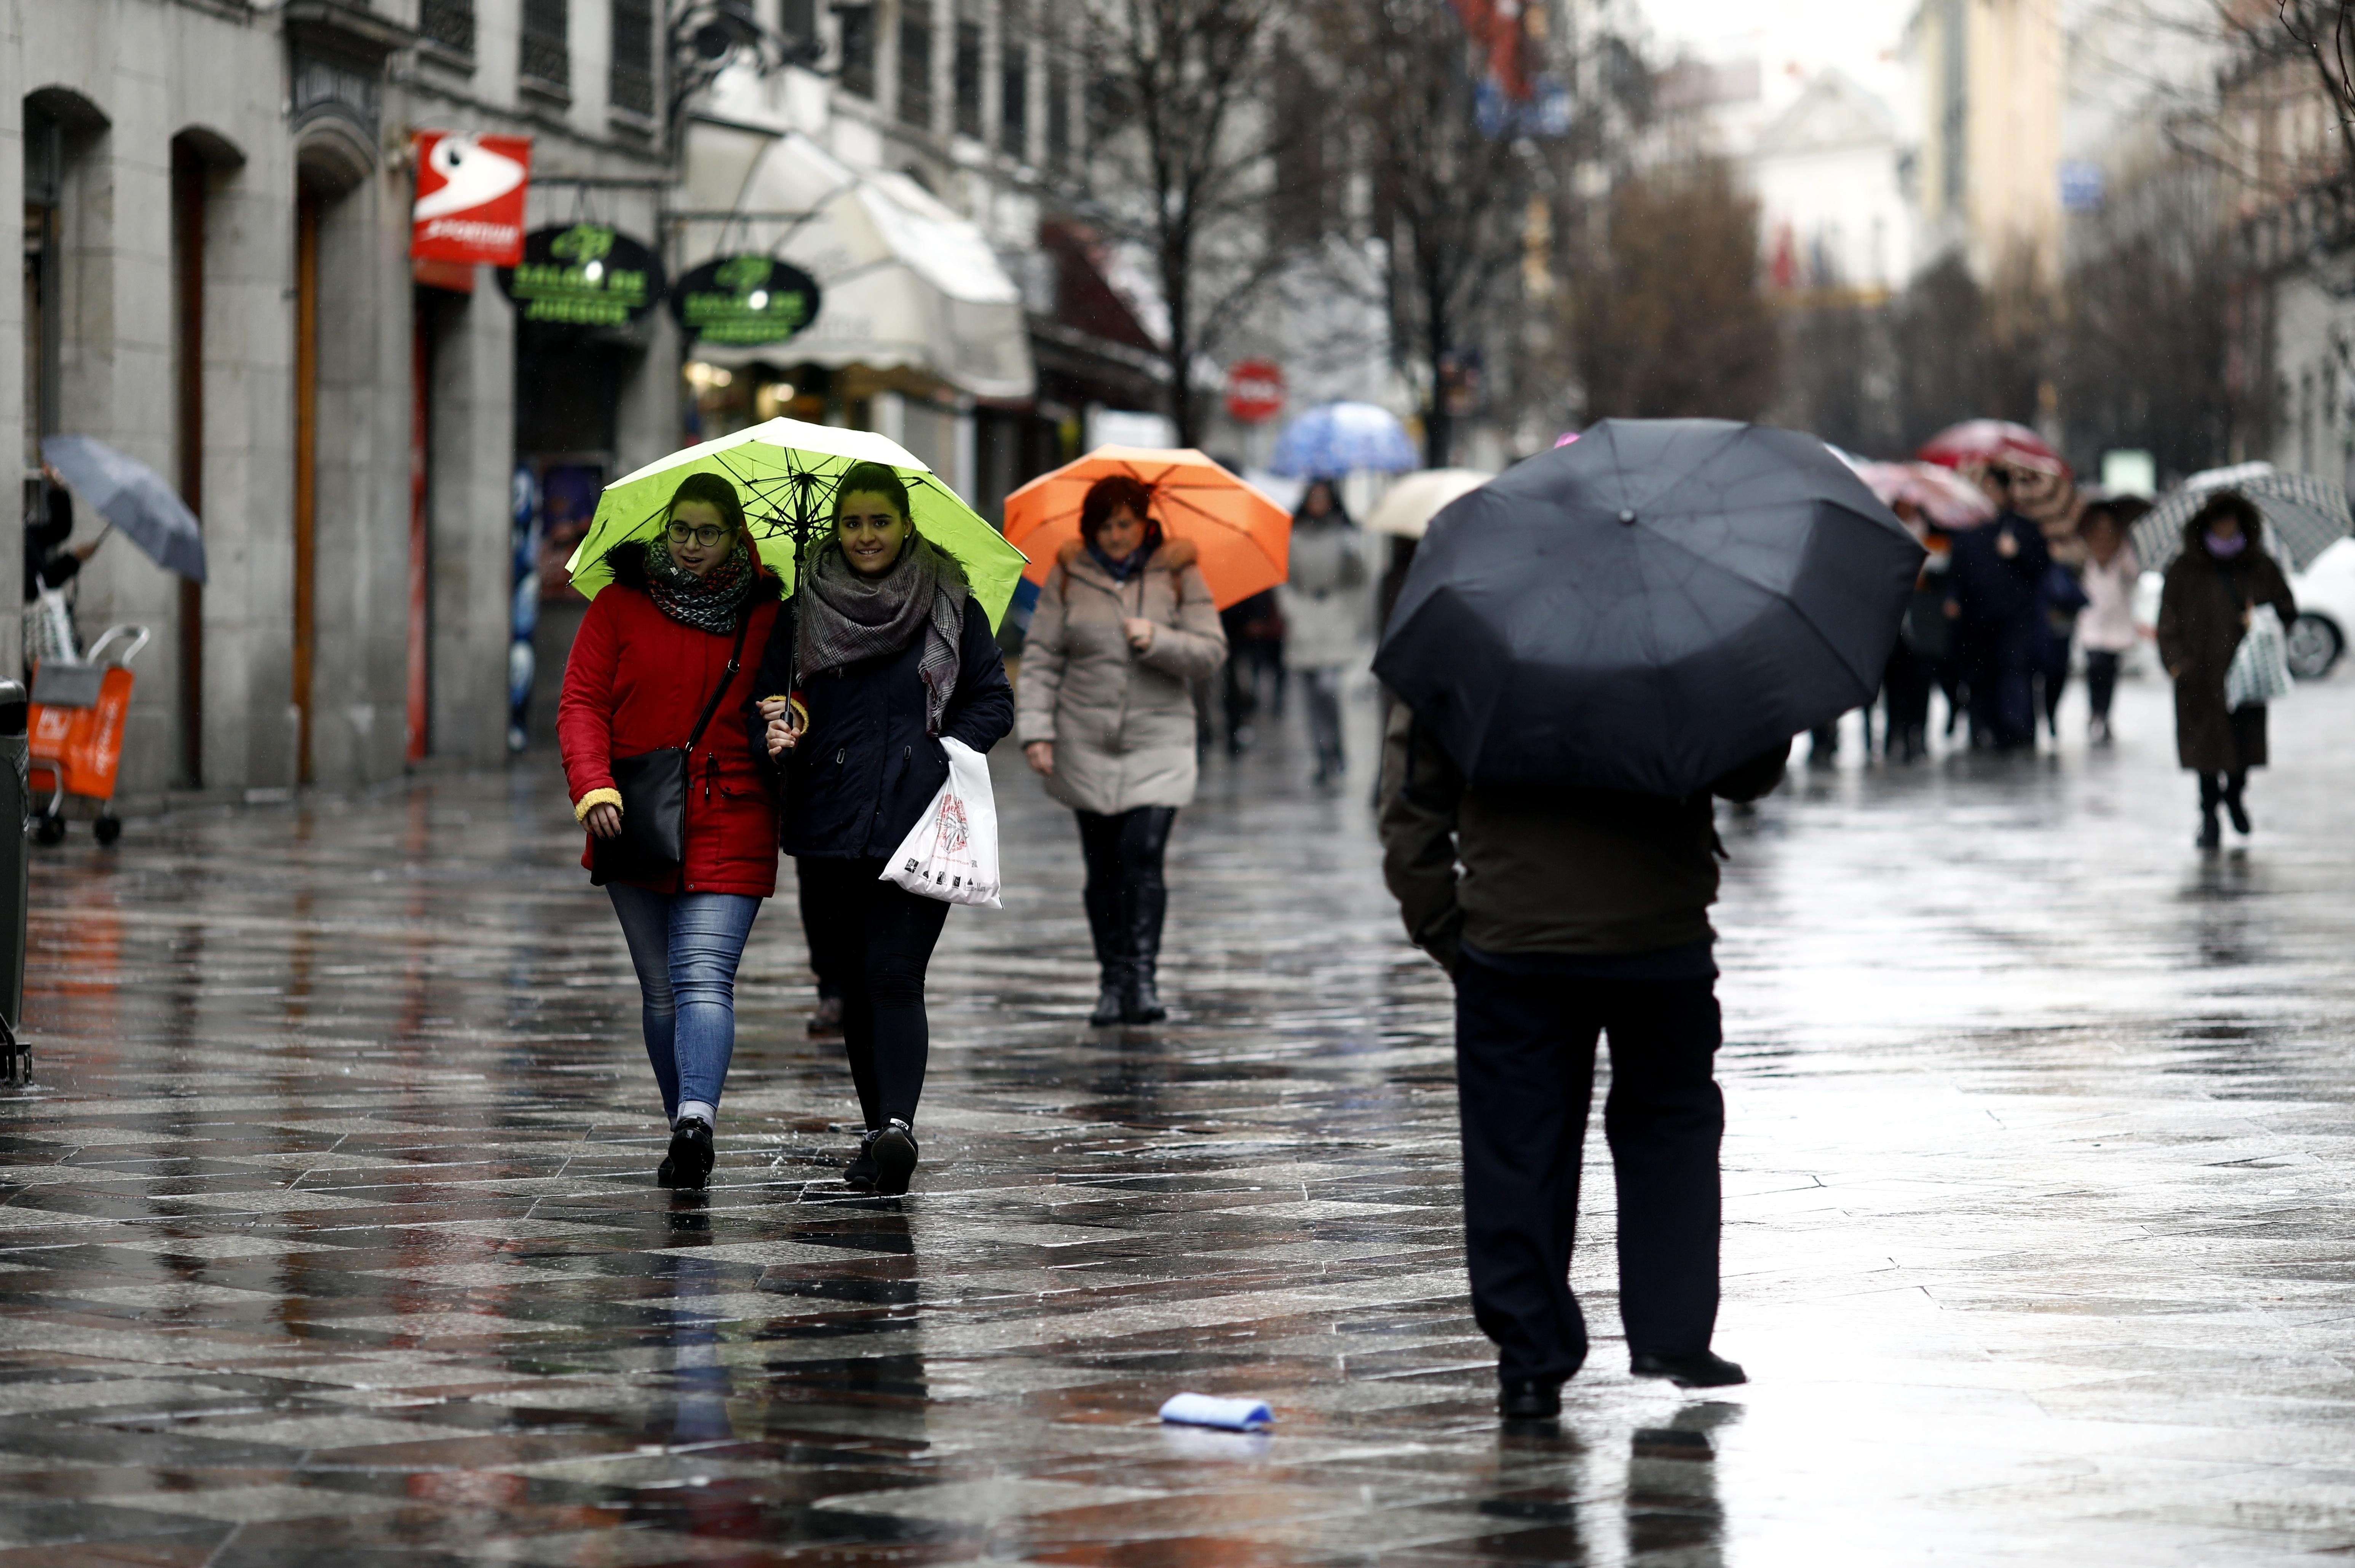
(1244, 539)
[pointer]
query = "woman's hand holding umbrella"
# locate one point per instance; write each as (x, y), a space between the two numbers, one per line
(778, 713)
(1139, 632)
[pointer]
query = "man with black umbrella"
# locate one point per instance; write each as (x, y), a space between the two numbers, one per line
(1574, 913)
(1589, 650)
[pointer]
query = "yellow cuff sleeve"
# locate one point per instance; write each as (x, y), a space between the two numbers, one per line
(595, 798)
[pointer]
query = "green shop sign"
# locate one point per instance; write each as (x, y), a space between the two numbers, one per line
(745, 300)
(584, 275)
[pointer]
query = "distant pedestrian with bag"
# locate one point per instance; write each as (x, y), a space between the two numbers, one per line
(2106, 629)
(2214, 590)
(1125, 623)
(880, 659)
(1327, 601)
(659, 664)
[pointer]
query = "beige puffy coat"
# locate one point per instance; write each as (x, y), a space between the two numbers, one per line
(1122, 722)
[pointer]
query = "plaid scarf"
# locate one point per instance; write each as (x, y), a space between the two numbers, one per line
(844, 618)
(707, 603)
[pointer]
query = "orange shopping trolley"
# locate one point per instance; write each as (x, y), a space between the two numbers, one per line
(76, 732)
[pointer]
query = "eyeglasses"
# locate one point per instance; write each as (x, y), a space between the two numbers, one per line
(710, 534)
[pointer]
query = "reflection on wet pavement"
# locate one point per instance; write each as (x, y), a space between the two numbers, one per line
(331, 1236)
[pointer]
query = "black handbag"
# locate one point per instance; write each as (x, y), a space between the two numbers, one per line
(652, 844)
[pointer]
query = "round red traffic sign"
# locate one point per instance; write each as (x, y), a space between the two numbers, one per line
(1255, 390)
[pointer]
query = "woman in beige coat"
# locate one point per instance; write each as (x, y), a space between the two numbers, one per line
(1105, 715)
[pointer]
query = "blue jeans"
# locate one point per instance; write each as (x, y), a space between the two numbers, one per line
(686, 947)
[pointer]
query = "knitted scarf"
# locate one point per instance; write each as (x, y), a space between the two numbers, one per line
(707, 603)
(844, 618)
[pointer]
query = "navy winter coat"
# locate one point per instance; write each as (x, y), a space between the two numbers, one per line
(857, 781)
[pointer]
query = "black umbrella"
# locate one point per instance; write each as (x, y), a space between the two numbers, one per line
(1649, 606)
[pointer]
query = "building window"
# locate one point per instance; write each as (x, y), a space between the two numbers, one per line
(916, 63)
(1014, 81)
(631, 84)
(547, 56)
(968, 77)
(1059, 107)
(448, 22)
(798, 20)
(857, 25)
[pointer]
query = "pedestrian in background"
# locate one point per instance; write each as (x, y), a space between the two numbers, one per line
(2106, 629)
(1998, 572)
(1563, 914)
(2212, 589)
(2059, 598)
(1324, 610)
(892, 657)
(660, 646)
(1254, 669)
(1924, 641)
(1125, 623)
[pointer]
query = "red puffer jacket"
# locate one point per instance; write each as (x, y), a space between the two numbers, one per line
(636, 682)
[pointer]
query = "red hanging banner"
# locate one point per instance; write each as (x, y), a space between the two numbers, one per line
(470, 192)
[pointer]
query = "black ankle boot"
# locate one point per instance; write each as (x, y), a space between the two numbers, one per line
(2237, 811)
(895, 1158)
(861, 1171)
(688, 1167)
(1529, 1398)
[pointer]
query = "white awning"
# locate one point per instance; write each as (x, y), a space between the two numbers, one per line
(904, 283)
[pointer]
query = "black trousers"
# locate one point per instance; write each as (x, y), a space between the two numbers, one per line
(825, 937)
(1525, 1076)
(2101, 681)
(883, 937)
(1126, 897)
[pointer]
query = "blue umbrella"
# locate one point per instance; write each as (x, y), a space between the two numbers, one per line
(1337, 437)
(134, 498)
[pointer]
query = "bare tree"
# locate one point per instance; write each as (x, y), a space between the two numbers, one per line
(1449, 192)
(1669, 316)
(1182, 158)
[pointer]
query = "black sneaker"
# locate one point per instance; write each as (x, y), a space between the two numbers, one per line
(688, 1168)
(894, 1149)
(861, 1171)
(1705, 1370)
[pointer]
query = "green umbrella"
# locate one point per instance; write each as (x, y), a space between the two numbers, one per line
(786, 472)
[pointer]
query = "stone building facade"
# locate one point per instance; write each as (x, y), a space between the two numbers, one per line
(217, 283)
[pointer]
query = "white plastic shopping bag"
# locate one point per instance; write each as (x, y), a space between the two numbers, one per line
(950, 854)
(49, 629)
(2260, 669)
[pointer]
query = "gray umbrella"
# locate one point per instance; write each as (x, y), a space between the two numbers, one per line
(2303, 515)
(1649, 608)
(134, 498)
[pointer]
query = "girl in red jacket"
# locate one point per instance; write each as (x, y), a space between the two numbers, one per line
(644, 665)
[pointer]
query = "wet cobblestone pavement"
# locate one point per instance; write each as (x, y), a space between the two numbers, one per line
(329, 1234)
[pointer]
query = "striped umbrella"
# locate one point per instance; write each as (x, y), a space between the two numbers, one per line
(2303, 515)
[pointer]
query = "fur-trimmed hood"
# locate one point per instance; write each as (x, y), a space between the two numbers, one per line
(1170, 556)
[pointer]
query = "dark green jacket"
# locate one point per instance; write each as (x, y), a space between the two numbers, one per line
(1589, 872)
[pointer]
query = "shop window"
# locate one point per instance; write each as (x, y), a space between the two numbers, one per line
(630, 79)
(547, 58)
(968, 79)
(1014, 81)
(856, 24)
(448, 22)
(916, 63)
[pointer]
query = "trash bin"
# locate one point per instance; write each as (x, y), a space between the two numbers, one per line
(16, 1053)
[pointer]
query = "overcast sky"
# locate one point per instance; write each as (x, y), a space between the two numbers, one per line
(1791, 39)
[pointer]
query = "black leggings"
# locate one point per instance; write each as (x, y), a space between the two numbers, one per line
(2101, 681)
(882, 939)
(1126, 896)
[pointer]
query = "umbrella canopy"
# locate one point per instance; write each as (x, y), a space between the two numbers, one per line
(1339, 438)
(1649, 608)
(134, 498)
(1988, 441)
(1243, 539)
(786, 473)
(1407, 507)
(1948, 499)
(2303, 515)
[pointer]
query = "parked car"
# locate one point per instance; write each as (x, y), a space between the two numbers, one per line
(2326, 609)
